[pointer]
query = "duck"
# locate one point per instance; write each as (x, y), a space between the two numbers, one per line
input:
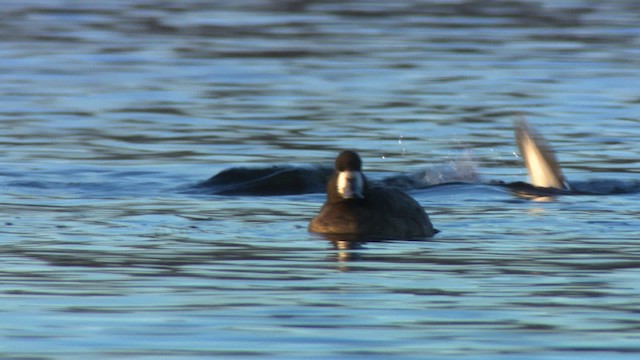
(356, 208)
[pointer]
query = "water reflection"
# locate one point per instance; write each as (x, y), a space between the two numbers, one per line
(352, 249)
(345, 252)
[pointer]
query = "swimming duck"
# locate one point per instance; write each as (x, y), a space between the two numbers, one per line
(355, 208)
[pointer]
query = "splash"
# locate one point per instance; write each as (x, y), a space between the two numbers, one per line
(461, 169)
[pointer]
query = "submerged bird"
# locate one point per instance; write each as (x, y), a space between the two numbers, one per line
(546, 176)
(355, 208)
(547, 179)
(539, 158)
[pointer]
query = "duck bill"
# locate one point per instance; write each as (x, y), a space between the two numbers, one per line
(350, 184)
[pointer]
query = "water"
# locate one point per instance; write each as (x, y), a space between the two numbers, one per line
(110, 111)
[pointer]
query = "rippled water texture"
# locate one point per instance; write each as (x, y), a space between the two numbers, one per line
(111, 111)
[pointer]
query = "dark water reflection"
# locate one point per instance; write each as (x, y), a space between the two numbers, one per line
(110, 112)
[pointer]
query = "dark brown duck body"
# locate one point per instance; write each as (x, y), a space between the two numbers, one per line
(354, 208)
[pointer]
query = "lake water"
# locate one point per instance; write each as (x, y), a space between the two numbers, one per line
(110, 110)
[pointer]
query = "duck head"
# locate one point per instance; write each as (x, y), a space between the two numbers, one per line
(347, 181)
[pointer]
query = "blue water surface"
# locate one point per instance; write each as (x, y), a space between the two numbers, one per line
(110, 110)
